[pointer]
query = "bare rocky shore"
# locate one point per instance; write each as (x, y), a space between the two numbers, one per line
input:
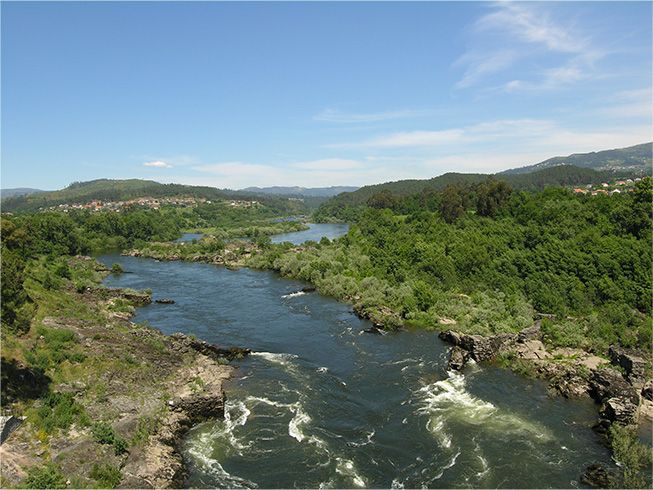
(148, 387)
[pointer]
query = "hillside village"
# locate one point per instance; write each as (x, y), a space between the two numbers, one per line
(144, 202)
(609, 188)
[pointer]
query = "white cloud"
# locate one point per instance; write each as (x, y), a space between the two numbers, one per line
(157, 164)
(531, 32)
(441, 138)
(480, 65)
(497, 145)
(336, 116)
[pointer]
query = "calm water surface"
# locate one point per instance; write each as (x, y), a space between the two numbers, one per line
(322, 404)
(315, 232)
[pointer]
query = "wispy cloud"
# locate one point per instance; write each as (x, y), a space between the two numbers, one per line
(533, 34)
(157, 164)
(630, 104)
(440, 138)
(537, 135)
(336, 116)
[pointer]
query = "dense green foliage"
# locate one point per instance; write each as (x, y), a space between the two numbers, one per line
(46, 476)
(104, 434)
(105, 475)
(634, 458)
(347, 206)
(580, 256)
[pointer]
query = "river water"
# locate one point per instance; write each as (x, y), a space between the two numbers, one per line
(315, 232)
(322, 404)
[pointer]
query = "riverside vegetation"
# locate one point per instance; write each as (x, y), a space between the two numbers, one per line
(483, 259)
(477, 257)
(104, 400)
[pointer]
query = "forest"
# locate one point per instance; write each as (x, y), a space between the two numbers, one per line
(488, 258)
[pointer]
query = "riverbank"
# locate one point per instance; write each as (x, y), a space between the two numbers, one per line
(104, 402)
(570, 372)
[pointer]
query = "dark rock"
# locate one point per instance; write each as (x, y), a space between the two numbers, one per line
(531, 333)
(376, 329)
(597, 476)
(211, 351)
(619, 409)
(165, 301)
(458, 358)
(619, 399)
(647, 390)
(609, 383)
(8, 424)
(308, 289)
(451, 337)
(633, 365)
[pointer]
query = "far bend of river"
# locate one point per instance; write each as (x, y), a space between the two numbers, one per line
(315, 232)
(322, 404)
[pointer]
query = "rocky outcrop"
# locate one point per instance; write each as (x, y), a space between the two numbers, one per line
(165, 301)
(137, 298)
(619, 400)
(219, 354)
(647, 390)
(481, 348)
(597, 476)
(458, 358)
(8, 424)
(633, 365)
(160, 463)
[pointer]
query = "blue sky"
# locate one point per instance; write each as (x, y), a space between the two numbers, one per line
(315, 94)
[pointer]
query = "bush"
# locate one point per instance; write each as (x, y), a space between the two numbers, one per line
(117, 268)
(47, 476)
(57, 411)
(634, 457)
(105, 475)
(104, 434)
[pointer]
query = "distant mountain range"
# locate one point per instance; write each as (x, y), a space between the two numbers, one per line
(18, 191)
(301, 191)
(122, 190)
(580, 168)
(634, 159)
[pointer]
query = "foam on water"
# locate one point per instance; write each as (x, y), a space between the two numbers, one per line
(346, 467)
(276, 357)
(298, 422)
(448, 400)
(293, 295)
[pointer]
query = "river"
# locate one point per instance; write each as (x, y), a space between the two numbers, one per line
(322, 404)
(315, 232)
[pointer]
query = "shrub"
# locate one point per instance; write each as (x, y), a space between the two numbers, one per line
(104, 434)
(105, 475)
(57, 411)
(46, 476)
(634, 457)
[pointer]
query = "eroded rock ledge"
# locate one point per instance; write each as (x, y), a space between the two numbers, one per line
(620, 389)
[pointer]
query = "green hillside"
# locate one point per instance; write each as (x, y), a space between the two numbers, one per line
(562, 175)
(636, 158)
(123, 190)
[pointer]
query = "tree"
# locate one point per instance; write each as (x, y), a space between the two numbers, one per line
(452, 203)
(491, 196)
